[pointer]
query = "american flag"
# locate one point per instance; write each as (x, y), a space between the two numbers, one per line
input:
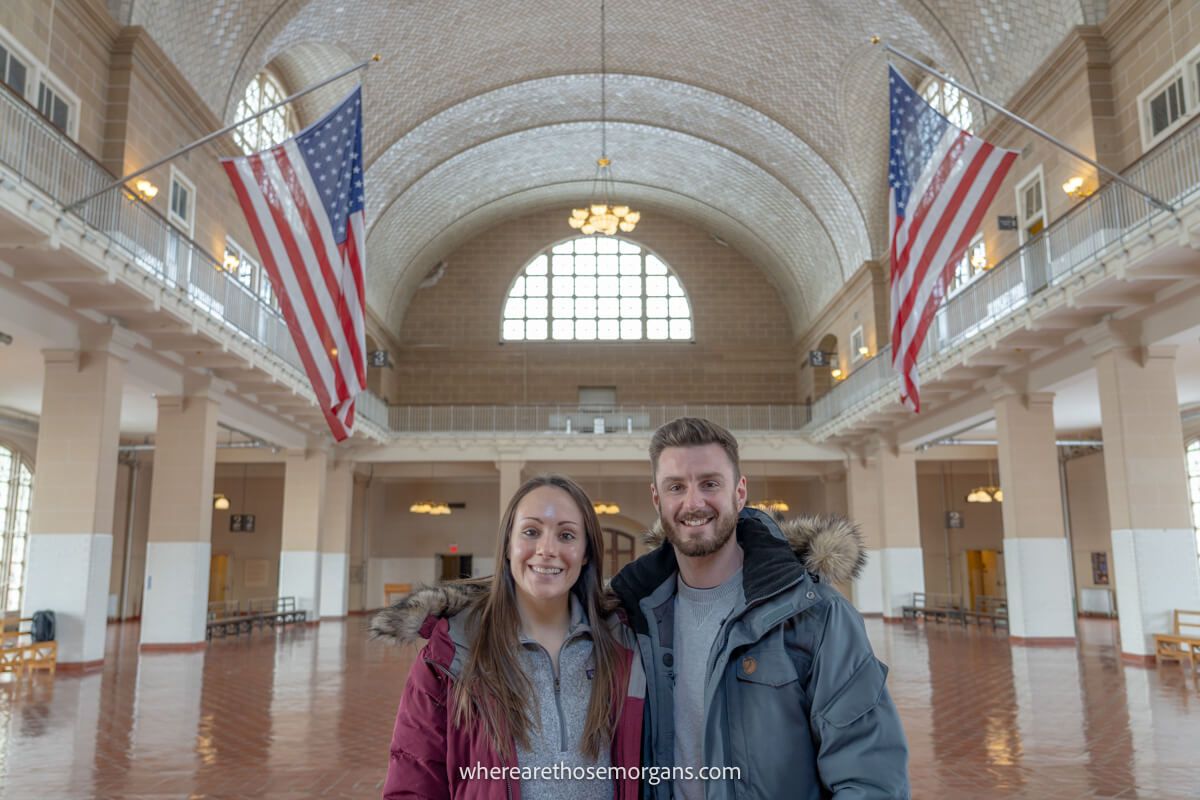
(304, 202)
(942, 180)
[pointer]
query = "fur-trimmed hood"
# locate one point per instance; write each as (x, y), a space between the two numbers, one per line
(828, 545)
(403, 621)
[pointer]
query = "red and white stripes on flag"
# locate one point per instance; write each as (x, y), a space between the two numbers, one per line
(303, 200)
(942, 181)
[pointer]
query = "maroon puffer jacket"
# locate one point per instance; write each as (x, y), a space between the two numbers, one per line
(428, 749)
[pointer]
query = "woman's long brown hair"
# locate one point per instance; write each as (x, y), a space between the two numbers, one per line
(493, 685)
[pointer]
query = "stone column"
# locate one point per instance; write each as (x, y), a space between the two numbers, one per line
(335, 540)
(70, 525)
(510, 480)
(179, 546)
(862, 494)
(1154, 545)
(303, 513)
(901, 559)
(1037, 557)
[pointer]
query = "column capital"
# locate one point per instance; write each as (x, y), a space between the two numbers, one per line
(510, 463)
(1111, 335)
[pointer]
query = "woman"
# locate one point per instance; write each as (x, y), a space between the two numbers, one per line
(524, 676)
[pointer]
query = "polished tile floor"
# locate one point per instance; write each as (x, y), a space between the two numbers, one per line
(309, 714)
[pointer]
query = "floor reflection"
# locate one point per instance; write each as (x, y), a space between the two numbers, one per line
(308, 713)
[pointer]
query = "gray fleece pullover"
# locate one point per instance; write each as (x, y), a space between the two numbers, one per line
(559, 712)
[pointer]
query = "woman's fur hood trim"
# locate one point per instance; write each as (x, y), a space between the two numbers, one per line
(402, 621)
(829, 545)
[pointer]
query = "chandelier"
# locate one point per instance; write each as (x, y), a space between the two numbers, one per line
(430, 507)
(602, 214)
(986, 494)
(771, 506)
(601, 507)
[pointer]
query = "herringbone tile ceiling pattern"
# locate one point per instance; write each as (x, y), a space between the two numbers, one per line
(763, 122)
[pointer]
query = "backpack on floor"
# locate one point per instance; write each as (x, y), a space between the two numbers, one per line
(43, 626)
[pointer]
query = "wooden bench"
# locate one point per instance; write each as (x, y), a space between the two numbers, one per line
(1183, 644)
(989, 609)
(936, 607)
(20, 654)
(224, 620)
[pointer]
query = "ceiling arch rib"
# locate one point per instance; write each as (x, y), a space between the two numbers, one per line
(677, 163)
(635, 100)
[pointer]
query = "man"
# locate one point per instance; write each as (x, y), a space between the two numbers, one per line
(752, 661)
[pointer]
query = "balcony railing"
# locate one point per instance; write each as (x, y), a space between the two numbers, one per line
(621, 420)
(47, 159)
(1094, 227)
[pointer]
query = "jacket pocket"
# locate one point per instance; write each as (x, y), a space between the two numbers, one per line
(766, 668)
(860, 694)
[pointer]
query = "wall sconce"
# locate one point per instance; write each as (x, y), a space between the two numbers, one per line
(979, 261)
(864, 351)
(231, 262)
(220, 502)
(145, 189)
(836, 373)
(1074, 188)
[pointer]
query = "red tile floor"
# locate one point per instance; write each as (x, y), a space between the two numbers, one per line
(309, 714)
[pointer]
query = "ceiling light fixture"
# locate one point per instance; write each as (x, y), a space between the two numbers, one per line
(986, 494)
(772, 506)
(602, 215)
(220, 502)
(436, 509)
(601, 507)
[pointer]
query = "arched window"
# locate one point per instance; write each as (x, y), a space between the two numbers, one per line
(16, 497)
(596, 288)
(949, 101)
(269, 129)
(1193, 471)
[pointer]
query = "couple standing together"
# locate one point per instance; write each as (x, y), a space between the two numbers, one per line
(723, 663)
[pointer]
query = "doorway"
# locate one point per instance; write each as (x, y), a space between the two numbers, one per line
(453, 568)
(218, 578)
(983, 576)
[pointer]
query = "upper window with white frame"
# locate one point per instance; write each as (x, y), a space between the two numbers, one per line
(269, 129)
(1170, 101)
(38, 86)
(596, 288)
(949, 102)
(858, 345)
(973, 264)
(181, 210)
(1031, 204)
(248, 272)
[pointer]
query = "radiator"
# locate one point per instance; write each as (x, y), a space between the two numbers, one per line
(1097, 601)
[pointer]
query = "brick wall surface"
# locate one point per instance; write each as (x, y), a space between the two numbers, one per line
(450, 350)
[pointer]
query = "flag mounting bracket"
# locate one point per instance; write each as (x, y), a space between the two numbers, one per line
(875, 40)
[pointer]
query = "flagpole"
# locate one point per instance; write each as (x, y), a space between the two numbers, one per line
(205, 140)
(1024, 123)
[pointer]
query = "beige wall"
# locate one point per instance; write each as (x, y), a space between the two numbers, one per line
(862, 302)
(262, 496)
(1091, 531)
(942, 487)
(450, 351)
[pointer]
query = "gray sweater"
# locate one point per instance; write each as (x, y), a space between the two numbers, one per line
(558, 713)
(698, 617)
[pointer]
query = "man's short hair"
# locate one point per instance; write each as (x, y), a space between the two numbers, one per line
(693, 432)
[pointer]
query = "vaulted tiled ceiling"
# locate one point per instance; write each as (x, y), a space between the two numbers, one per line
(763, 123)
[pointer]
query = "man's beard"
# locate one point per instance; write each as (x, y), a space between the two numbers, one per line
(724, 526)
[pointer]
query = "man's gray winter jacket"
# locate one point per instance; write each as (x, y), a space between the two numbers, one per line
(794, 697)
